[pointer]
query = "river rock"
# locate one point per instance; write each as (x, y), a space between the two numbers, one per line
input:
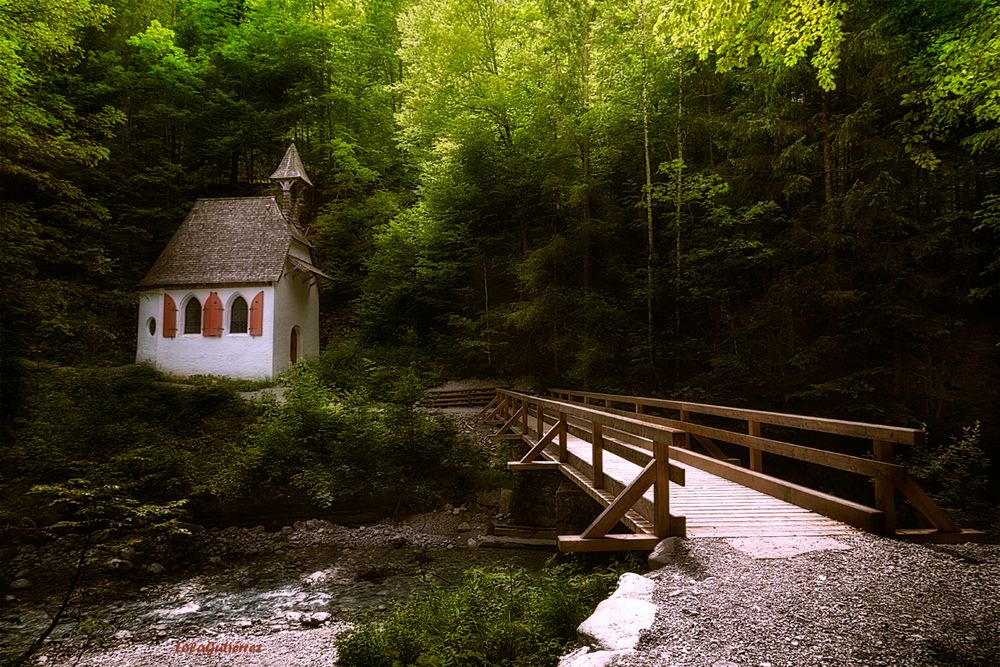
(633, 586)
(663, 553)
(120, 564)
(616, 623)
(20, 584)
(315, 578)
(155, 568)
(320, 617)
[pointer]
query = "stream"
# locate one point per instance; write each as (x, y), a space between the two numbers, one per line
(250, 585)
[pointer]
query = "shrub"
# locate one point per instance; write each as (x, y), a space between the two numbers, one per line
(956, 473)
(315, 449)
(498, 616)
(123, 426)
(382, 374)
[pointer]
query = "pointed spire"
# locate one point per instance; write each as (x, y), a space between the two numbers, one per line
(291, 168)
(288, 173)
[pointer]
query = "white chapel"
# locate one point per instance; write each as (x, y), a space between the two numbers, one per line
(235, 292)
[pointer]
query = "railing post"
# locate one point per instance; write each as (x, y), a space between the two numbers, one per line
(540, 420)
(638, 408)
(885, 490)
(563, 451)
(686, 416)
(661, 489)
(524, 417)
(607, 402)
(756, 456)
(597, 449)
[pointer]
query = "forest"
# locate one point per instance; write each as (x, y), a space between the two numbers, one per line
(790, 205)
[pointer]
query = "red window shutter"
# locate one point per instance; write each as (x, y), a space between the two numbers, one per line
(211, 321)
(257, 315)
(169, 317)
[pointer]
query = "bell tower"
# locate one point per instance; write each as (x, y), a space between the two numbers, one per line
(289, 172)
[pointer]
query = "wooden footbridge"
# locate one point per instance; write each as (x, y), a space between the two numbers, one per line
(636, 457)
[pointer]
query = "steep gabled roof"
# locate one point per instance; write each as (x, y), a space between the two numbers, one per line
(222, 241)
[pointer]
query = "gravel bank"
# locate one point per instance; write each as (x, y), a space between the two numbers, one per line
(879, 602)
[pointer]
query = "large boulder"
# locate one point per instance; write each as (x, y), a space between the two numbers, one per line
(616, 623)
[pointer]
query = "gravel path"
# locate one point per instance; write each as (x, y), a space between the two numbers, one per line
(878, 602)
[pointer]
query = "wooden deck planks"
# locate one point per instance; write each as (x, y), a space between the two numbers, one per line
(713, 507)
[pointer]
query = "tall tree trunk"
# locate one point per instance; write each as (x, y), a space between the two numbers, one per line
(678, 200)
(648, 196)
(827, 153)
(486, 315)
(585, 144)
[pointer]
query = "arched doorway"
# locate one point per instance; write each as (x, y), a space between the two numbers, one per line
(293, 352)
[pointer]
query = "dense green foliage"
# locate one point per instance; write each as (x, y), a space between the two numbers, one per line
(956, 474)
(791, 205)
(494, 617)
(315, 450)
(89, 432)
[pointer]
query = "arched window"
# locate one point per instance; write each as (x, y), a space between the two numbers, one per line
(293, 352)
(192, 316)
(238, 316)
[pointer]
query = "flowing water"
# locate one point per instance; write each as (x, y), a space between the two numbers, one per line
(252, 595)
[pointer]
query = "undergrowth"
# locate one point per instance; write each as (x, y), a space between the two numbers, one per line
(321, 447)
(496, 616)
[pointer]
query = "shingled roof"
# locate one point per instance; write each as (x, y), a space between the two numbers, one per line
(291, 167)
(223, 241)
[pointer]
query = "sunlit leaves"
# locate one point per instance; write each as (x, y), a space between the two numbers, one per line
(957, 79)
(781, 33)
(38, 39)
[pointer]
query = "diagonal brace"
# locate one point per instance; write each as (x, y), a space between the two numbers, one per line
(499, 408)
(712, 448)
(622, 503)
(540, 446)
(490, 409)
(510, 422)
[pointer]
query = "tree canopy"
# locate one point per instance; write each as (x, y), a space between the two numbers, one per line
(786, 203)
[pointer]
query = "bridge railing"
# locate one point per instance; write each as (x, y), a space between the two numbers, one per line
(551, 421)
(887, 476)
